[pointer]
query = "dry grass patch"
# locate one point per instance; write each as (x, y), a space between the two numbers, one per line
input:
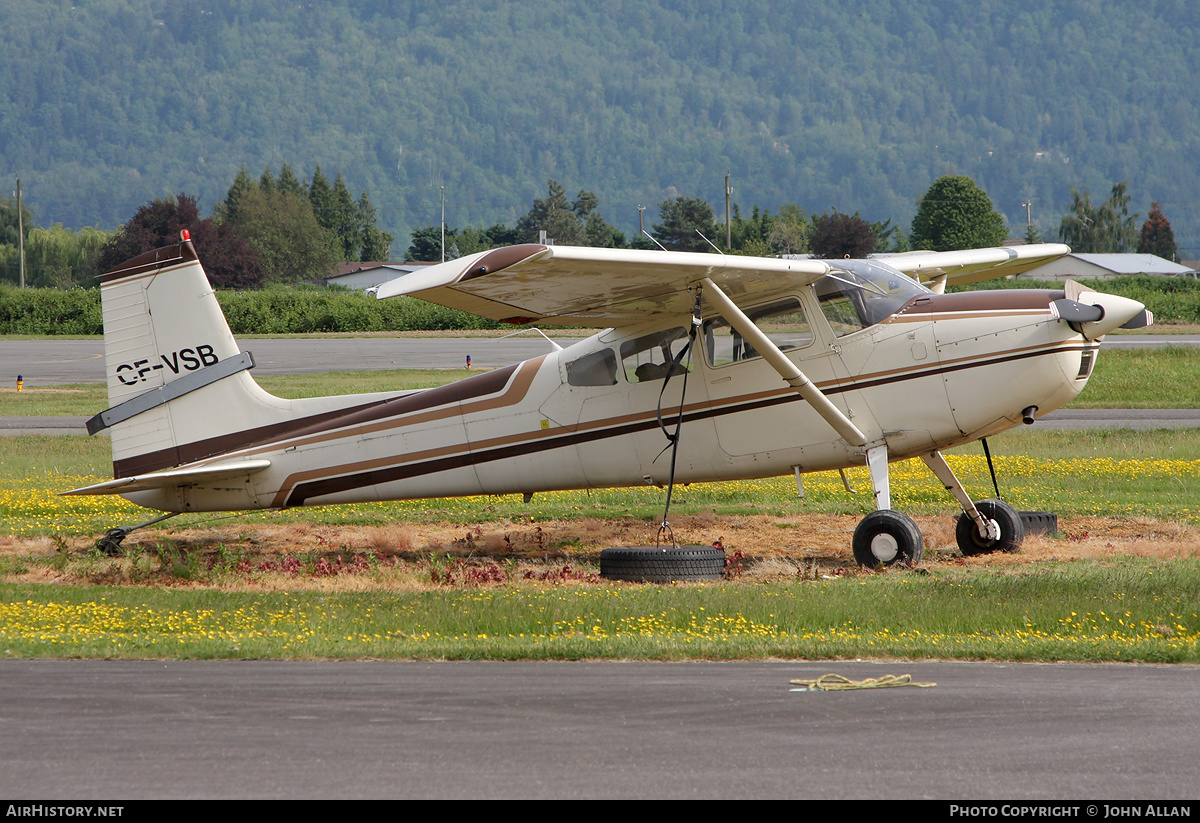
(406, 556)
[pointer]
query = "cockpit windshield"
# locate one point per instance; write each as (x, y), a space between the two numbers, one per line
(861, 293)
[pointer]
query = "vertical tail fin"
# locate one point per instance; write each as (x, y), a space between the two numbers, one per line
(176, 376)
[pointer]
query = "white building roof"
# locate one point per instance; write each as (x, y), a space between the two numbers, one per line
(1133, 263)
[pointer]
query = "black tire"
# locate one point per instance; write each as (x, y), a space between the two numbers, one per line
(886, 537)
(662, 564)
(1012, 529)
(1039, 522)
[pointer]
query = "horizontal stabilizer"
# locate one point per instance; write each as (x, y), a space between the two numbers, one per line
(186, 476)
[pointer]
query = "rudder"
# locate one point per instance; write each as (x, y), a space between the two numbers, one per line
(175, 373)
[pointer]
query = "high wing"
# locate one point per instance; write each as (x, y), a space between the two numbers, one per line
(973, 265)
(578, 286)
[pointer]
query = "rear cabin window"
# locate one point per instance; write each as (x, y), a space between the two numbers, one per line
(596, 369)
(784, 323)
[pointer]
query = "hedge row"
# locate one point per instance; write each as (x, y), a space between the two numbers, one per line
(77, 311)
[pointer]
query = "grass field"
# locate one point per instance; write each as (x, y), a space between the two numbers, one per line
(1130, 610)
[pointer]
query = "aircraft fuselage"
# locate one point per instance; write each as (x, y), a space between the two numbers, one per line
(937, 371)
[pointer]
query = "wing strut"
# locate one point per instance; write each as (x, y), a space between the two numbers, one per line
(786, 368)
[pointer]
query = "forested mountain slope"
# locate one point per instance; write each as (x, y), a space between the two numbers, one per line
(855, 105)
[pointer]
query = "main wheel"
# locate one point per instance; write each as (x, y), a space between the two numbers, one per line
(885, 537)
(655, 564)
(1012, 529)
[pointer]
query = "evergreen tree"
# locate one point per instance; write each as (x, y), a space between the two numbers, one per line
(889, 239)
(750, 237)
(1157, 237)
(556, 217)
(289, 184)
(1106, 228)
(320, 195)
(426, 244)
(346, 221)
(375, 245)
(956, 214)
(241, 184)
(682, 218)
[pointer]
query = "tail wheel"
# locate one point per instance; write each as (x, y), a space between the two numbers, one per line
(886, 537)
(1012, 529)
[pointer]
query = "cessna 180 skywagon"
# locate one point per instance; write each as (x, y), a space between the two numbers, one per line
(763, 366)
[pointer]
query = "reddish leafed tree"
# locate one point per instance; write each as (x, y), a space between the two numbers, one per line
(230, 262)
(1157, 237)
(841, 235)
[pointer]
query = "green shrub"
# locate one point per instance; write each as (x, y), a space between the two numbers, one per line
(270, 311)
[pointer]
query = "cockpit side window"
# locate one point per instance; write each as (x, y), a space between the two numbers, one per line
(648, 357)
(861, 293)
(783, 322)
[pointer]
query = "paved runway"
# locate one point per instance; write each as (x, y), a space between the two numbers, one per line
(125, 730)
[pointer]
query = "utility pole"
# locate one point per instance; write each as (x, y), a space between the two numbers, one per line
(443, 224)
(21, 232)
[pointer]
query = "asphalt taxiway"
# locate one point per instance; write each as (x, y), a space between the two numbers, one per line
(124, 730)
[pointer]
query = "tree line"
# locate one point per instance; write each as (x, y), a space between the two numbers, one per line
(955, 213)
(280, 229)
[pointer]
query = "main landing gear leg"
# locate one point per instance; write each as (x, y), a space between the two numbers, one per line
(983, 527)
(884, 536)
(110, 543)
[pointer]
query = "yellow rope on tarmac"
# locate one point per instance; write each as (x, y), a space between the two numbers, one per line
(837, 683)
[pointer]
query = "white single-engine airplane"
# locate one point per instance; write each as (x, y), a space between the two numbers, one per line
(793, 366)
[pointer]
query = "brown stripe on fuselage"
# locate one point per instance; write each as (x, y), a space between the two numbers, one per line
(350, 476)
(516, 393)
(318, 427)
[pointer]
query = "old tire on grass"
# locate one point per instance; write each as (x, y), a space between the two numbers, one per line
(885, 537)
(1039, 522)
(1012, 529)
(662, 564)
